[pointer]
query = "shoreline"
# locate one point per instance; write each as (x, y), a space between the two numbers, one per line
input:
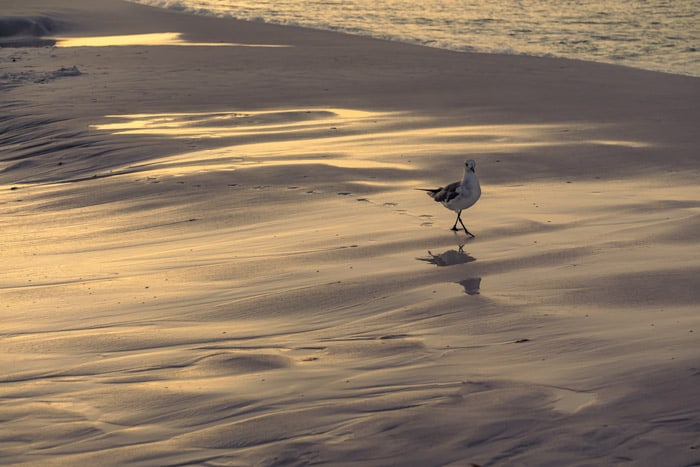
(217, 253)
(464, 48)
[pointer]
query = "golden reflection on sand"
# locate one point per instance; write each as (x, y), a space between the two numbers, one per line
(158, 38)
(219, 160)
(225, 124)
(352, 124)
(265, 138)
(345, 138)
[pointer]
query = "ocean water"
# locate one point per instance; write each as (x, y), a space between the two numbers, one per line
(661, 35)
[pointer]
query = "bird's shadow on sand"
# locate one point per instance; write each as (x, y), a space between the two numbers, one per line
(448, 258)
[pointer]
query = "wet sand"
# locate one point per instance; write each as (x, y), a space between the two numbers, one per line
(214, 254)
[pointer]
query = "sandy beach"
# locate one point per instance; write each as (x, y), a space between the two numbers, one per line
(213, 252)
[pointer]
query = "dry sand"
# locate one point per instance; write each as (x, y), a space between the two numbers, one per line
(214, 255)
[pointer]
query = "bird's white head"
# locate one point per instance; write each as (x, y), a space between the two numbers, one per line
(470, 164)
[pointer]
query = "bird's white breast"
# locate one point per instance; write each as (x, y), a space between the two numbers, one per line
(469, 193)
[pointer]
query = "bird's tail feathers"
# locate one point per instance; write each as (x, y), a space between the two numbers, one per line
(431, 191)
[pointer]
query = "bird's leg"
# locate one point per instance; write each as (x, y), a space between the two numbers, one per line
(459, 218)
(454, 227)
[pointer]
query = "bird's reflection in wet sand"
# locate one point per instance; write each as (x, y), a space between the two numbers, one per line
(472, 286)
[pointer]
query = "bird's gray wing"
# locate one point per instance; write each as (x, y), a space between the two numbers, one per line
(448, 192)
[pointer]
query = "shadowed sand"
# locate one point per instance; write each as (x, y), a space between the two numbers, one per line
(215, 256)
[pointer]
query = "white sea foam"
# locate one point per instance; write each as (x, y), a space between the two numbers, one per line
(655, 34)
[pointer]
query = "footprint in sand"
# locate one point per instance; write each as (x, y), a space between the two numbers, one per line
(427, 220)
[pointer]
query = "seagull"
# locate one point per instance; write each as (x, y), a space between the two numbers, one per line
(458, 196)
